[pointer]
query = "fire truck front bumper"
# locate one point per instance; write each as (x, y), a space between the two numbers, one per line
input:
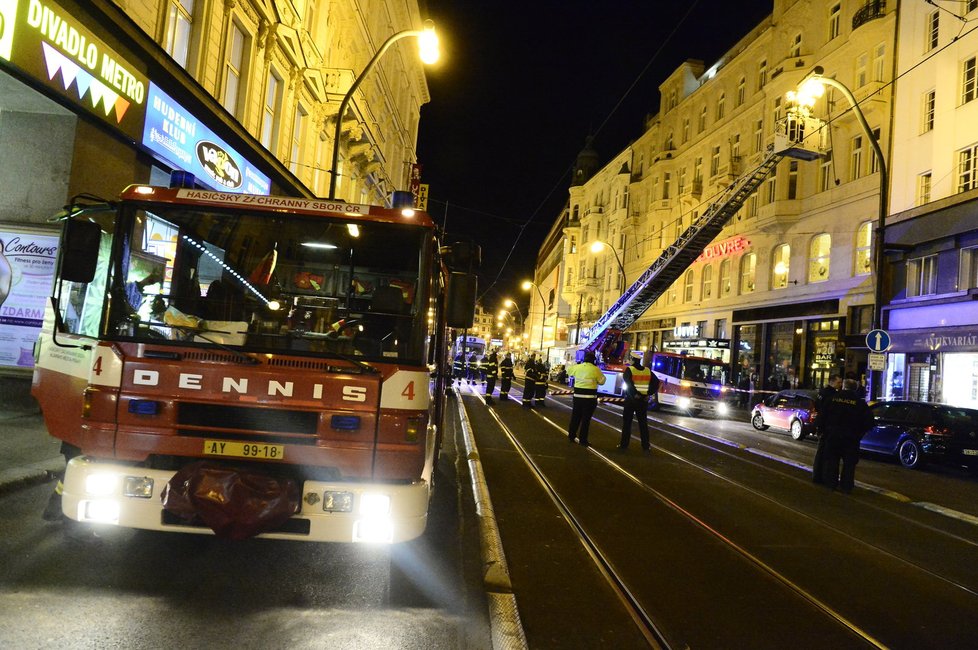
(116, 494)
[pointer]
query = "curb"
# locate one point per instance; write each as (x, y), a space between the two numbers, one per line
(28, 475)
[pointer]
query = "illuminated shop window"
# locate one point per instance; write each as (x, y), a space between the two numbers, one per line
(780, 266)
(748, 273)
(726, 287)
(864, 248)
(707, 290)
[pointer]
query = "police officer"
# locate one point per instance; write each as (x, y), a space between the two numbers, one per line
(587, 377)
(818, 464)
(640, 383)
(845, 418)
(529, 381)
(506, 375)
(489, 369)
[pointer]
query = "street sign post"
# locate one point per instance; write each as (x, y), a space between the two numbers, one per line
(878, 341)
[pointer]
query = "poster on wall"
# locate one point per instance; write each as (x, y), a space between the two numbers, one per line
(27, 263)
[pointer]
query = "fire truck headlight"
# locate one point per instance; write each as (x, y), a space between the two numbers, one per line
(722, 408)
(103, 511)
(101, 484)
(138, 486)
(683, 402)
(374, 505)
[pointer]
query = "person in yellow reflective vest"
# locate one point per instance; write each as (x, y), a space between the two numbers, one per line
(639, 385)
(587, 377)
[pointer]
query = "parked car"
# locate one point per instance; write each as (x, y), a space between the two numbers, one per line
(915, 432)
(793, 409)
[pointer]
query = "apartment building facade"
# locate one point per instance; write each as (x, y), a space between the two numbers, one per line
(784, 295)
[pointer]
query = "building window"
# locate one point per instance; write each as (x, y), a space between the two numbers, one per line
(967, 159)
(748, 272)
(972, 5)
(835, 17)
(715, 162)
(856, 158)
(688, 287)
(298, 128)
(777, 110)
(968, 81)
(861, 62)
(573, 244)
(795, 51)
(707, 290)
(793, 180)
(923, 188)
(927, 121)
(933, 30)
(758, 135)
(864, 248)
(721, 106)
(922, 276)
(179, 28)
(874, 160)
(233, 65)
(968, 271)
(762, 74)
(741, 91)
(780, 266)
(720, 328)
(772, 190)
(702, 123)
(681, 181)
(818, 257)
(698, 169)
(879, 57)
(726, 287)
(318, 175)
(270, 115)
(752, 205)
(685, 131)
(666, 182)
(825, 172)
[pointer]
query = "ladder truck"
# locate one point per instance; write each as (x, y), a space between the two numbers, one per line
(799, 135)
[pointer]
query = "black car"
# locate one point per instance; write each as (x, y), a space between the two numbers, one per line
(915, 432)
(794, 410)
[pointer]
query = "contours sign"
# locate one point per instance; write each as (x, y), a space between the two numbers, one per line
(27, 261)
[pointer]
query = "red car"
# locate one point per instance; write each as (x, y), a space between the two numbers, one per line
(794, 410)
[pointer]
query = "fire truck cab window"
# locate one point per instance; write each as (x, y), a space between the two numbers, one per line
(316, 285)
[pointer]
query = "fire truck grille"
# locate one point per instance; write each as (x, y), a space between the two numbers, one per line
(705, 393)
(243, 418)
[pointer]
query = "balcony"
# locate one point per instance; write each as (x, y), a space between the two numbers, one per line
(870, 11)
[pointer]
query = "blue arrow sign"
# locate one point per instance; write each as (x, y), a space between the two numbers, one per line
(878, 340)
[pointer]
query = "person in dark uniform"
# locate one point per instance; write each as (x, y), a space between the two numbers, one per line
(472, 368)
(506, 376)
(540, 379)
(818, 464)
(489, 370)
(458, 368)
(529, 381)
(845, 418)
(640, 383)
(587, 377)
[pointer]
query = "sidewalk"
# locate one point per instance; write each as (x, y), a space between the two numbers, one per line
(28, 455)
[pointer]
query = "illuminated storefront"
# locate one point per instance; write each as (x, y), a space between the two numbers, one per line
(87, 106)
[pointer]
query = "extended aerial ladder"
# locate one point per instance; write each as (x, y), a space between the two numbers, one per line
(797, 136)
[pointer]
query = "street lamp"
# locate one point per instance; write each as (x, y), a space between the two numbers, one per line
(809, 90)
(543, 304)
(428, 52)
(599, 246)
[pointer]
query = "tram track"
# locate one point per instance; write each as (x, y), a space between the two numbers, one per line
(642, 618)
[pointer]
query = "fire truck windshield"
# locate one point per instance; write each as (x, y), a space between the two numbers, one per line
(703, 370)
(266, 283)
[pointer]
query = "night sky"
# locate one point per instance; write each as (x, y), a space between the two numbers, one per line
(519, 88)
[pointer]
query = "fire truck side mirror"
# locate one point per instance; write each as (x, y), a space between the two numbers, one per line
(462, 256)
(460, 304)
(79, 250)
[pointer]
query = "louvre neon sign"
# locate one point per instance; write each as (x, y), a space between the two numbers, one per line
(723, 249)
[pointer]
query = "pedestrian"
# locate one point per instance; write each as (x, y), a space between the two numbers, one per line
(540, 379)
(472, 369)
(490, 369)
(529, 381)
(506, 376)
(640, 384)
(818, 464)
(846, 419)
(587, 377)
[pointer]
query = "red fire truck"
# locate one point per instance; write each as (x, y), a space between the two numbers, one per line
(208, 357)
